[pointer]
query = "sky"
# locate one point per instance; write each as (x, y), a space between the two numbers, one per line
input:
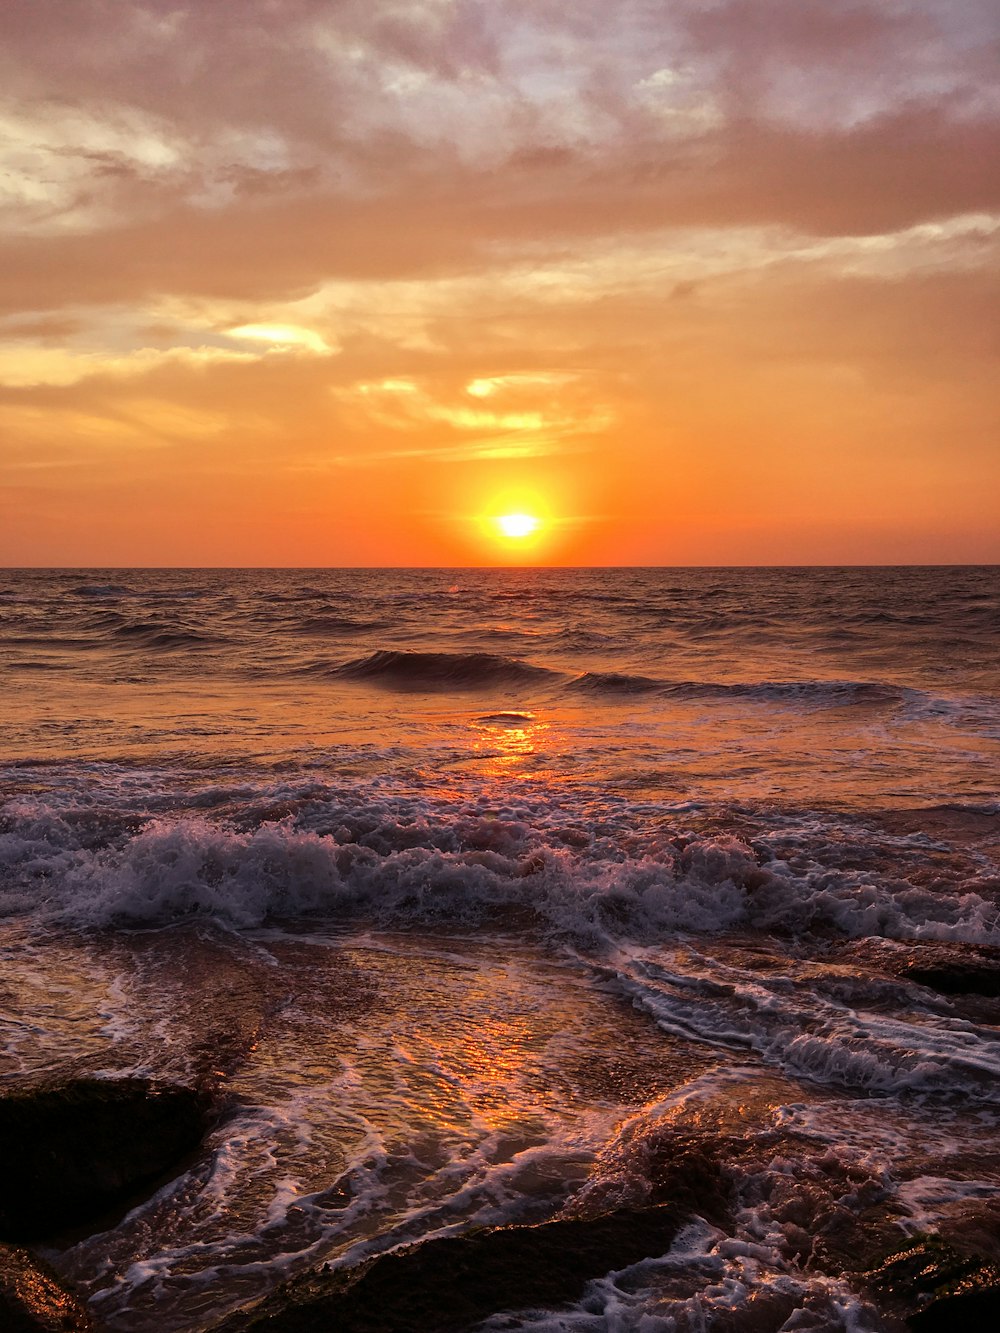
(339, 282)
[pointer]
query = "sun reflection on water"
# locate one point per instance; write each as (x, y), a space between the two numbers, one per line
(505, 743)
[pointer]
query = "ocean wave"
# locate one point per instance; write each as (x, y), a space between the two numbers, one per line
(153, 635)
(172, 594)
(816, 693)
(820, 693)
(51, 642)
(977, 714)
(417, 864)
(443, 671)
(615, 682)
(848, 1041)
(99, 590)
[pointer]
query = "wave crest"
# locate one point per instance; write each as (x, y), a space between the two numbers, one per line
(615, 682)
(460, 867)
(443, 671)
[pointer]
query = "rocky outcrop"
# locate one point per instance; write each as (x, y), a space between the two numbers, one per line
(939, 1289)
(33, 1300)
(73, 1149)
(453, 1283)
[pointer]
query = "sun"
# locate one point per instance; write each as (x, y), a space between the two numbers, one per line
(517, 526)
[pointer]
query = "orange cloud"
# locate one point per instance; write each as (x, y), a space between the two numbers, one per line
(317, 284)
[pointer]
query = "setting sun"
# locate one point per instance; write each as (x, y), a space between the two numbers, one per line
(517, 525)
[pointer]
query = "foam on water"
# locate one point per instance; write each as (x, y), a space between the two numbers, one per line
(480, 893)
(841, 1039)
(418, 865)
(456, 1088)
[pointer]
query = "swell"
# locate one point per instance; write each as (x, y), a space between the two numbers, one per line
(828, 693)
(820, 693)
(114, 591)
(117, 630)
(99, 590)
(52, 642)
(142, 634)
(616, 682)
(410, 670)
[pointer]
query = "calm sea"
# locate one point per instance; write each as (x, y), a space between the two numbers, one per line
(475, 886)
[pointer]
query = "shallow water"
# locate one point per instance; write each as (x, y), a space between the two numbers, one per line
(477, 890)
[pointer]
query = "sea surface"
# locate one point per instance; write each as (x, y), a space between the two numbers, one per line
(477, 890)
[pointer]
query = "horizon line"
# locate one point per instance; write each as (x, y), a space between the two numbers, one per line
(947, 564)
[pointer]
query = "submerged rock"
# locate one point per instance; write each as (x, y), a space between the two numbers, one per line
(454, 1282)
(655, 1163)
(33, 1300)
(73, 1149)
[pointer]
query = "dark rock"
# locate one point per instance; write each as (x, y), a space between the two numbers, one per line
(453, 1283)
(689, 1173)
(71, 1150)
(33, 1300)
(976, 1229)
(957, 976)
(660, 1164)
(939, 1289)
(977, 1307)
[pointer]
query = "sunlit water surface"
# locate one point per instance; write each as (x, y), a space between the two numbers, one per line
(471, 888)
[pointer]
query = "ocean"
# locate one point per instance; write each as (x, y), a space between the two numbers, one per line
(478, 891)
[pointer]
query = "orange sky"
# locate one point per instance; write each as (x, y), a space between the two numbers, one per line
(328, 282)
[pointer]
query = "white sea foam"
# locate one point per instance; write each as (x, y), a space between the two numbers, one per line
(413, 862)
(787, 1020)
(728, 1277)
(927, 1197)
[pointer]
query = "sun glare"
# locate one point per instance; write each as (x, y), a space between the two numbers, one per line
(517, 525)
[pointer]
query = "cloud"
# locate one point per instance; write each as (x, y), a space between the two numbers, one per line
(281, 337)
(369, 113)
(23, 365)
(711, 245)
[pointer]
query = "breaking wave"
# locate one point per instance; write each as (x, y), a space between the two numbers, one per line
(468, 867)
